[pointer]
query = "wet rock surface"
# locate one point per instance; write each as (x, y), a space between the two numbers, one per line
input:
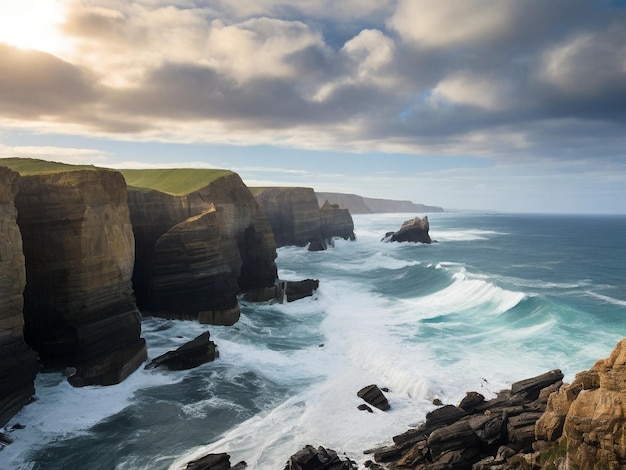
(414, 230)
(198, 351)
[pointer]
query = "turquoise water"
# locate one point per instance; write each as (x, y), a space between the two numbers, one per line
(499, 298)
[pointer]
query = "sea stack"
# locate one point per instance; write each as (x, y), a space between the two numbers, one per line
(18, 363)
(79, 308)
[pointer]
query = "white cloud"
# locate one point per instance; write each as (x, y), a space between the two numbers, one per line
(436, 23)
(465, 88)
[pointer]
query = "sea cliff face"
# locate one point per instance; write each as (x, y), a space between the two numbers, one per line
(79, 309)
(365, 205)
(216, 238)
(18, 363)
(296, 218)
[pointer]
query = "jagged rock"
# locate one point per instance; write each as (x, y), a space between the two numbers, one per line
(79, 307)
(18, 363)
(245, 244)
(192, 354)
(214, 462)
(374, 396)
(310, 458)
(470, 401)
(595, 428)
(455, 438)
(413, 230)
(531, 387)
(296, 290)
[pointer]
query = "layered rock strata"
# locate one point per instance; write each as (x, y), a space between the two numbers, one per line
(18, 363)
(589, 415)
(79, 309)
(296, 218)
(196, 251)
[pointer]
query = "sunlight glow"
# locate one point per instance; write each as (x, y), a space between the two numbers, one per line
(32, 24)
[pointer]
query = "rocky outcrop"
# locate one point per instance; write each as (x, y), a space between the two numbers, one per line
(364, 205)
(214, 462)
(475, 434)
(589, 416)
(414, 230)
(196, 251)
(192, 354)
(374, 396)
(310, 458)
(18, 363)
(79, 309)
(297, 219)
(336, 222)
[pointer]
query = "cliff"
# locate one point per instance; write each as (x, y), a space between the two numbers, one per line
(363, 205)
(587, 417)
(79, 310)
(214, 238)
(297, 219)
(18, 363)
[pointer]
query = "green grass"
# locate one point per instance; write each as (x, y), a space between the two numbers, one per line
(175, 181)
(32, 166)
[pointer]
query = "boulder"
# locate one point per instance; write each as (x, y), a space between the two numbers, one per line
(18, 363)
(414, 230)
(79, 307)
(296, 290)
(310, 458)
(374, 396)
(214, 462)
(192, 354)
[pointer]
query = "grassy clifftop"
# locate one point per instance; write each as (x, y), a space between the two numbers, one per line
(175, 181)
(32, 166)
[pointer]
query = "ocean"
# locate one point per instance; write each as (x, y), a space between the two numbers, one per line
(497, 299)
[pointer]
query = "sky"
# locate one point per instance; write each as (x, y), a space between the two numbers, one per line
(488, 105)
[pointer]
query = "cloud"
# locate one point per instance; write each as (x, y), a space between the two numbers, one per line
(495, 78)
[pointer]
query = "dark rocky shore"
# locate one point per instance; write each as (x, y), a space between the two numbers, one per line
(539, 423)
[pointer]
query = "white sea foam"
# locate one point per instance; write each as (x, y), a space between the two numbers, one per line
(606, 298)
